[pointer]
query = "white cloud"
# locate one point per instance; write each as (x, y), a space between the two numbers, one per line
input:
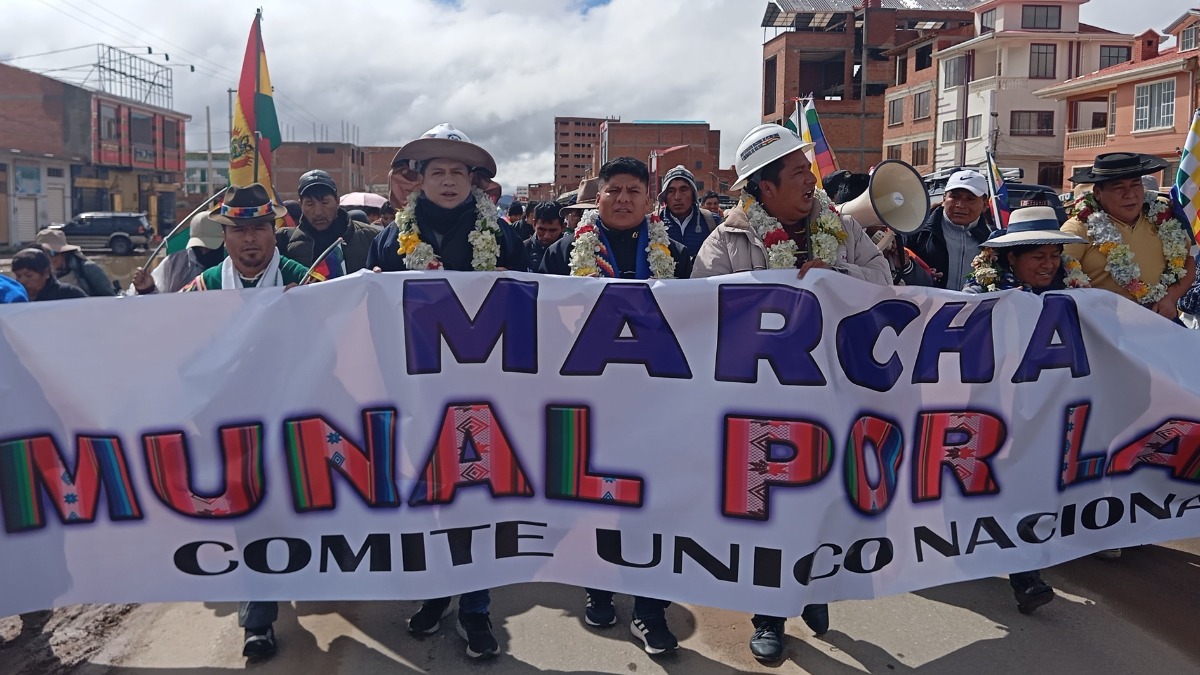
(501, 70)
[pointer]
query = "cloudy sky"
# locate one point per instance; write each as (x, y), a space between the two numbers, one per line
(500, 70)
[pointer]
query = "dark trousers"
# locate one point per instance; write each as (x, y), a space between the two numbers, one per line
(1023, 581)
(257, 613)
(643, 608)
(475, 602)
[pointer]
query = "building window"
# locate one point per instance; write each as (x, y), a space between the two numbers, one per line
(769, 83)
(1031, 123)
(895, 112)
(1041, 16)
(1041, 61)
(952, 131)
(52, 172)
(141, 129)
(325, 150)
(901, 70)
(1154, 105)
(975, 126)
(1111, 56)
(924, 57)
(893, 152)
(110, 130)
(987, 22)
(1189, 38)
(921, 105)
(170, 134)
(952, 72)
(920, 153)
(1112, 114)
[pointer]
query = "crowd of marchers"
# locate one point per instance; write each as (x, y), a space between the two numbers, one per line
(442, 215)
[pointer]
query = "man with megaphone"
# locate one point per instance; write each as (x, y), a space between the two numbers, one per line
(785, 221)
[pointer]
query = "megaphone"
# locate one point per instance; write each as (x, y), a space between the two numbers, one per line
(896, 198)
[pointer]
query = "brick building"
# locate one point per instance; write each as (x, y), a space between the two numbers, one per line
(378, 164)
(345, 162)
(541, 192)
(576, 140)
(910, 121)
(65, 149)
(692, 144)
(819, 48)
(1141, 105)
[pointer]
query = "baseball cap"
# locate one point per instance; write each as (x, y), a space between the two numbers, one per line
(316, 178)
(971, 181)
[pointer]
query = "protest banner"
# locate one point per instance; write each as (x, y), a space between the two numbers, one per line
(753, 442)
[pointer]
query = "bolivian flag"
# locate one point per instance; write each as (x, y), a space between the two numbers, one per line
(255, 130)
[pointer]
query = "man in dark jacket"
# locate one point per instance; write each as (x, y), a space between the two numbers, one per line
(31, 267)
(72, 267)
(686, 222)
(548, 228)
(322, 221)
(950, 237)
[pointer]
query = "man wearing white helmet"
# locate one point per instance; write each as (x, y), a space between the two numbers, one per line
(448, 222)
(785, 221)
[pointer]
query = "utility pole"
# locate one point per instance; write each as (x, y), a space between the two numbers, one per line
(208, 127)
(231, 92)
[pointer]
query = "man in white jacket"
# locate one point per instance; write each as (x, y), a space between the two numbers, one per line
(784, 220)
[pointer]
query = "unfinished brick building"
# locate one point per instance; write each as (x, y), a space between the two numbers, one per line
(817, 47)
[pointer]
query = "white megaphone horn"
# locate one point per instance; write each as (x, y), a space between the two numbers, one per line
(896, 198)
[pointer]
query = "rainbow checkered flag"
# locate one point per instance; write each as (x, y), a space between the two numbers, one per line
(1187, 180)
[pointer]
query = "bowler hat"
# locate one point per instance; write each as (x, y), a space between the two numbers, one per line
(246, 206)
(1118, 165)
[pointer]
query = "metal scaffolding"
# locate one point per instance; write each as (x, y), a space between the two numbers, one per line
(128, 76)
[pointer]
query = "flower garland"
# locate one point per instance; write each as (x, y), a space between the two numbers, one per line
(589, 256)
(1120, 261)
(826, 234)
(484, 239)
(986, 275)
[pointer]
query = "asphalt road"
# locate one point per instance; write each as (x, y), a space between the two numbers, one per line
(1136, 615)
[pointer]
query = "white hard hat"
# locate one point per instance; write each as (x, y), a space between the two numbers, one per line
(763, 145)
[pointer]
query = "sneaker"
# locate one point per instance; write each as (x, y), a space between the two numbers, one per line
(476, 629)
(654, 634)
(428, 619)
(767, 642)
(816, 617)
(600, 613)
(260, 643)
(1108, 554)
(1033, 597)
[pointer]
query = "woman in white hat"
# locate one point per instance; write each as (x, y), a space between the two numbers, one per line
(1028, 255)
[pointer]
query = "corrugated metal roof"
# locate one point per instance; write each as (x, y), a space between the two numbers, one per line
(800, 6)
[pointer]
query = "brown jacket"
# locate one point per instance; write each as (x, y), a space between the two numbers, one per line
(734, 247)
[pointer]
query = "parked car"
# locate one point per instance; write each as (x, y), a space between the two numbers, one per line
(120, 233)
(1021, 195)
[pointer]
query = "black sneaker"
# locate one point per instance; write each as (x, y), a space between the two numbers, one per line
(654, 634)
(476, 629)
(600, 612)
(767, 642)
(1033, 597)
(817, 618)
(259, 643)
(428, 619)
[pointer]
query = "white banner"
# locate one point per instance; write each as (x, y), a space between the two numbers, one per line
(750, 442)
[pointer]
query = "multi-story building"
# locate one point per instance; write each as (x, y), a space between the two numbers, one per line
(575, 142)
(655, 142)
(65, 149)
(198, 183)
(345, 162)
(378, 164)
(910, 114)
(1143, 104)
(819, 49)
(985, 90)
(541, 192)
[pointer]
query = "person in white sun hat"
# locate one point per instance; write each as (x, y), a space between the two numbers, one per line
(1028, 255)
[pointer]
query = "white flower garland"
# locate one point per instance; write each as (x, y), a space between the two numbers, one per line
(987, 275)
(588, 257)
(484, 239)
(1120, 262)
(826, 235)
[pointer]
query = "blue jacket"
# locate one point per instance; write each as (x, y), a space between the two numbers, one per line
(11, 291)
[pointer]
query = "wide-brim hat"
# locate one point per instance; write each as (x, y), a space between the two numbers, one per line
(246, 206)
(1031, 226)
(446, 142)
(54, 239)
(1119, 165)
(585, 197)
(205, 232)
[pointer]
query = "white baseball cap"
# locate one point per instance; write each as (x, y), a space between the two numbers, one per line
(971, 181)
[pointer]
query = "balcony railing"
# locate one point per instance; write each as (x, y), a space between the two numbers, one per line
(1006, 84)
(1092, 138)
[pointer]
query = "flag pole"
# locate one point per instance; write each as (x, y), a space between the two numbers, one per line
(308, 273)
(183, 222)
(992, 170)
